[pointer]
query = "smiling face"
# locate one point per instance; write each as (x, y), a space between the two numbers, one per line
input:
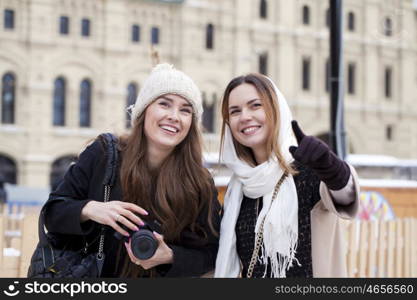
(167, 122)
(247, 118)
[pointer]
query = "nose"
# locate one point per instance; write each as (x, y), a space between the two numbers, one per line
(246, 115)
(173, 115)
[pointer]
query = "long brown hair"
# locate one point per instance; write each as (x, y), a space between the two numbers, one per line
(175, 194)
(270, 104)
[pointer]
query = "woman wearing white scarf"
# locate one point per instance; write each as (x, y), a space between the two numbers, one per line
(259, 146)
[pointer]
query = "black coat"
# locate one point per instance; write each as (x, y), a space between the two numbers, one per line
(83, 182)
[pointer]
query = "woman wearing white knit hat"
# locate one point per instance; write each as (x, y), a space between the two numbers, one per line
(161, 181)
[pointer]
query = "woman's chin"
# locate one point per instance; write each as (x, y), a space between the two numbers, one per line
(169, 143)
(252, 142)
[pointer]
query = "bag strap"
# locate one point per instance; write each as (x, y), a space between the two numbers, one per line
(260, 234)
(110, 142)
(112, 159)
(108, 182)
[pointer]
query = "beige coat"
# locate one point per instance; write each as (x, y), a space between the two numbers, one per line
(328, 236)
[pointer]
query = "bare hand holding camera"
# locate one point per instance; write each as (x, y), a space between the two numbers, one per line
(114, 212)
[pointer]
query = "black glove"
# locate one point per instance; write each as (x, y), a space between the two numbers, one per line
(314, 153)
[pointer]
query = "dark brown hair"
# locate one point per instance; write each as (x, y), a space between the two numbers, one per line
(269, 100)
(175, 194)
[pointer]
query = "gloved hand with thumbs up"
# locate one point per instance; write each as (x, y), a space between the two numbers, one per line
(314, 153)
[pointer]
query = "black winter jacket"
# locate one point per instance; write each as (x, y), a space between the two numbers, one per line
(83, 182)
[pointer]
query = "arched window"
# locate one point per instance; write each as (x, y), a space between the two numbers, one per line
(8, 98)
(263, 63)
(9, 19)
(85, 103)
(85, 27)
(306, 15)
(388, 27)
(8, 170)
(132, 92)
(155, 35)
(306, 73)
(208, 114)
(59, 167)
(263, 9)
(351, 21)
(389, 132)
(388, 82)
(135, 33)
(59, 102)
(64, 25)
(351, 78)
(210, 36)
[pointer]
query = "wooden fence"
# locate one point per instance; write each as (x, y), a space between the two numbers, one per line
(382, 248)
(18, 239)
(375, 249)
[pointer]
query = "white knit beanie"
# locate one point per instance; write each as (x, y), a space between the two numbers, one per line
(165, 79)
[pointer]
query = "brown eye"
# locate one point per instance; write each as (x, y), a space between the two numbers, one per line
(187, 110)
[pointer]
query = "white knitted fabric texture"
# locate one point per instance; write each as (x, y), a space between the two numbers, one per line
(165, 79)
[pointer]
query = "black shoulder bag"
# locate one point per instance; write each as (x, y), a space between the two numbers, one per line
(49, 261)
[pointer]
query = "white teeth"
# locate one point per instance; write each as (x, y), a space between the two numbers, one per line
(249, 129)
(169, 128)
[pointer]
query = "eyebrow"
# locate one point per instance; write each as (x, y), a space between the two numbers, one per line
(249, 102)
(171, 100)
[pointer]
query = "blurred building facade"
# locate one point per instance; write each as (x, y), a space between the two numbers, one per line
(69, 69)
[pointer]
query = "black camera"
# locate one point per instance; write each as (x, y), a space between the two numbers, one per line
(143, 242)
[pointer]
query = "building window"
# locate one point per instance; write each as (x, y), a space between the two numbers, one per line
(132, 92)
(155, 35)
(210, 36)
(327, 16)
(85, 103)
(85, 27)
(263, 63)
(59, 102)
(388, 27)
(64, 25)
(8, 19)
(388, 82)
(135, 33)
(327, 76)
(8, 98)
(263, 9)
(208, 113)
(306, 66)
(306, 15)
(8, 170)
(389, 133)
(59, 168)
(351, 78)
(351, 21)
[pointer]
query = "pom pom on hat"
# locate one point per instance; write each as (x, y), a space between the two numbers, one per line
(165, 79)
(163, 67)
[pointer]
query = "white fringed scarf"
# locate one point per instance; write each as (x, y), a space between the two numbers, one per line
(281, 223)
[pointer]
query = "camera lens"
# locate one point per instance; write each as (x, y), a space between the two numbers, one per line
(144, 244)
